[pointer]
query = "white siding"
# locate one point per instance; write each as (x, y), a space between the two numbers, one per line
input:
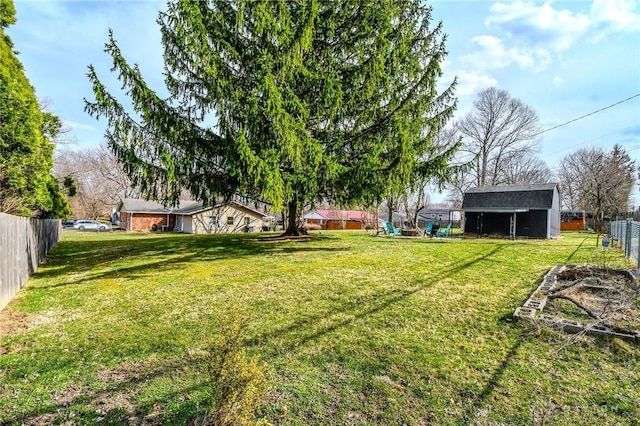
(554, 216)
(229, 220)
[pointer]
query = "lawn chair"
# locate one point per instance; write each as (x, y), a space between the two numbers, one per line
(383, 228)
(392, 229)
(428, 230)
(444, 232)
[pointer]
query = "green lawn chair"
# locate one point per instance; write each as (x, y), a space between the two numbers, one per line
(392, 229)
(444, 232)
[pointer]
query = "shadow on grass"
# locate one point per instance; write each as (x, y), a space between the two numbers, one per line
(479, 401)
(360, 308)
(157, 254)
(114, 401)
(576, 250)
(493, 383)
(127, 411)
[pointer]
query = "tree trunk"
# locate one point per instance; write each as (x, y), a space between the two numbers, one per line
(294, 223)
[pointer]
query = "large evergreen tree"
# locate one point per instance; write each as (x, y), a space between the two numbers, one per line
(26, 151)
(290, 101)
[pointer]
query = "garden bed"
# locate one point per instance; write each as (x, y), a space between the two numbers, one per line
(586, 299)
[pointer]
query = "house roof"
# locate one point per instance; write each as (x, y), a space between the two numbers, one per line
(314, 215)
(248, 209)
(184, 207)
(133, 205)
(509, 198)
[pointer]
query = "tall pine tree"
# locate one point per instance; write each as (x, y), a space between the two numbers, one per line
(291, 101)
(26, 151)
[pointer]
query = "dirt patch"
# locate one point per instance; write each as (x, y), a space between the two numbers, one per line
(12, 321)
(570, 273)
(114, 402)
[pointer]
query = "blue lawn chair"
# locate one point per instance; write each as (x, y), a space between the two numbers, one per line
(428, 230)
(392, 229)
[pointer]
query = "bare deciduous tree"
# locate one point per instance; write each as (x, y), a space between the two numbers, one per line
(99, 180)
(498, 131)
(63, 131)
(525, 168)
(414, 201)
(597, 181)
(436, 169)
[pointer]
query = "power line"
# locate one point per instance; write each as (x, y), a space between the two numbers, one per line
(587, 115)
(587, 141)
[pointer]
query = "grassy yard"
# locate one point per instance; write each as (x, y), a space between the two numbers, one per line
(354, 329)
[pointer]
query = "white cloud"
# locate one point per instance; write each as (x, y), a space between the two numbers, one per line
(616, 15)
(558, 81)
(491, 53)
(469, 83)
(531, 35)
(79, 126)
(540, 26)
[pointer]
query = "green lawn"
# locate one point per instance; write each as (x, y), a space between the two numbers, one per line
(354, 329)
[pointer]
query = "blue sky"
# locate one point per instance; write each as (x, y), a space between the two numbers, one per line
(565, 59)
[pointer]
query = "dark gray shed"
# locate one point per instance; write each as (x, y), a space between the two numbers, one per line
(513, 210)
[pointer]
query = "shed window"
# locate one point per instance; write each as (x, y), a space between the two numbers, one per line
(229, 220)
(247, 220)
(213, 220)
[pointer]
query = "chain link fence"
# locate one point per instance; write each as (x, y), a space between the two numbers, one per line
(626, 235)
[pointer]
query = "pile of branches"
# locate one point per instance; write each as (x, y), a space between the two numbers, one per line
(610, 297)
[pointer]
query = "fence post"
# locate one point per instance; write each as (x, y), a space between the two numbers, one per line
(627, 242)
(638, 247)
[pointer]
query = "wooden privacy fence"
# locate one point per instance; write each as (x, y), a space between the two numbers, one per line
(24, 243)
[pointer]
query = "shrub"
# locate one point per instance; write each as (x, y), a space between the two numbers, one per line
(238, 384)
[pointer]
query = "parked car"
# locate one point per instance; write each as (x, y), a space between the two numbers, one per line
(85, 224)
(69, 223)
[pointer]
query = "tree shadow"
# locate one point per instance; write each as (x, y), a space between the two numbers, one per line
(114, 401)
(359, 308)
(77, 260)
(576, 250)
(494, 381)
(301, 332)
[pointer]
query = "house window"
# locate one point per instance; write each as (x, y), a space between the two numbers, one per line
(213, 220)
(229, 220)
(247, 220)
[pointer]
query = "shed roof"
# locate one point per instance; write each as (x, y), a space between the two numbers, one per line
(510, 197)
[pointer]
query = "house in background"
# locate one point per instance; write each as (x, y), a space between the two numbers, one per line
(513, 210)
(438, 216)
(189, 217)
(224, 218)
(340, 219)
